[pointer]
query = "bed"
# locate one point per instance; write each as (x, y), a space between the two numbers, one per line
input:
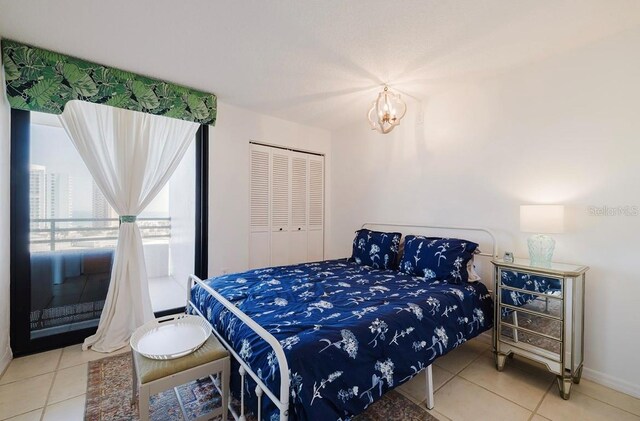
(340, 334)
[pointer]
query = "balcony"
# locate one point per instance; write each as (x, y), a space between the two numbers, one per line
(77, 233)
(71, 265)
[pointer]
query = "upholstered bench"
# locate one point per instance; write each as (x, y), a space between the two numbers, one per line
(154, 376)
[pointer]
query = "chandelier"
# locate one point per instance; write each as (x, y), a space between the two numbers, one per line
(386, 111)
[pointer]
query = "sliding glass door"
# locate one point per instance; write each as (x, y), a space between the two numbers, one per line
(64, 234)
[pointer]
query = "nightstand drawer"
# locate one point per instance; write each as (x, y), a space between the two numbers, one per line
(546, 326)
(543, 304)
(527, 282)
(528, 340)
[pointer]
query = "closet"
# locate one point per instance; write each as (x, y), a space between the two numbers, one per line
(286, 207)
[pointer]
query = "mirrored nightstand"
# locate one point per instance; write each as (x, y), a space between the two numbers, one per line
(539, 313)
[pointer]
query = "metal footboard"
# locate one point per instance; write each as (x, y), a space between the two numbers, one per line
(283, 401)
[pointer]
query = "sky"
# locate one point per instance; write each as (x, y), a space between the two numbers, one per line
(51, 147)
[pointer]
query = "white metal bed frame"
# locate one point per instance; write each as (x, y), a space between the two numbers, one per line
(282, 402)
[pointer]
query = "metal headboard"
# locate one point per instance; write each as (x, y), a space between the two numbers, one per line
(489, 233)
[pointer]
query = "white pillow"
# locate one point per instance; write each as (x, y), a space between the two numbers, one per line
(471, 270)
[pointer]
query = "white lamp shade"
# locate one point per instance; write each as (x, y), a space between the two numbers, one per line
(542, 219)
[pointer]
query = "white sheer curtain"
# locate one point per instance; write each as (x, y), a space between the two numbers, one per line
(131, 155)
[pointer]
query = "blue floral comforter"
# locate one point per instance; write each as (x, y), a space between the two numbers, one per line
(350, 332)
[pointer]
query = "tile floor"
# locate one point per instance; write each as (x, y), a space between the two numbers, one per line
(51, 386)
(468, 387)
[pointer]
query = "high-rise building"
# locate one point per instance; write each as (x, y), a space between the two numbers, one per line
(37, 193)
(59, 202)
(100, 207)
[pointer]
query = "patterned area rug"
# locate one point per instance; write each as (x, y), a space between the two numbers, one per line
(109, 397)
(394, 406)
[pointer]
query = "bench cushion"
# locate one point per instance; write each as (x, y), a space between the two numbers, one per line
(149, 370)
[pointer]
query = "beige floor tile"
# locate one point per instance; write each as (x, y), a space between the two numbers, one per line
(537, 417)
(25, 395)
(69, 410)
(580, 407)
(438, 415)
(484, 338)
(31, 365)
(457, 359)
(69, 383)
(29, 416)
(610, 396)
(416, 388)
(524, 388)
(460, 399)
(74, 355)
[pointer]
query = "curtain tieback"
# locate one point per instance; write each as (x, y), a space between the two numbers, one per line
(127, 219)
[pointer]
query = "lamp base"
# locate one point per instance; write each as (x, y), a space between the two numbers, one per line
(541, 250)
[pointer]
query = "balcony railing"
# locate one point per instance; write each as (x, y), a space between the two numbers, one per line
(52, 234)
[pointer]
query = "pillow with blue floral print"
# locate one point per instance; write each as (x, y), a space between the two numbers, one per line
(376, 249)
(434, 258)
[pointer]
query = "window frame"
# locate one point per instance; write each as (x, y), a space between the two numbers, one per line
(20, 265)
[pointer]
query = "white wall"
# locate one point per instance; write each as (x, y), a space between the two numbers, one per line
(229, 178)
(565, 130)
(5, 152)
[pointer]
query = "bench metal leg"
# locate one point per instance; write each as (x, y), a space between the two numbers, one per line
(429, 379)
(226, 387)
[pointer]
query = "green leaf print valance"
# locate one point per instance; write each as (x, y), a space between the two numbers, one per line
(41, 80)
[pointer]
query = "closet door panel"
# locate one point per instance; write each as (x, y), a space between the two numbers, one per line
(280, 248)
(260, 250)
(259, 232)
(299, 208)
(316, 208)
(279, 191)
(315, 246)
(298, 247)
(299, 170)
(280, 205)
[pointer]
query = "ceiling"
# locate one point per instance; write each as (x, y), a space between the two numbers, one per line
(315, 62)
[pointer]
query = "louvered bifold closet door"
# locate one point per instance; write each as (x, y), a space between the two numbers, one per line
(315, 224)
(299, 208)
(280, 205)
(259, 232)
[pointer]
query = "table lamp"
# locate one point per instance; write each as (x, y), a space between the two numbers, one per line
(541, 220)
